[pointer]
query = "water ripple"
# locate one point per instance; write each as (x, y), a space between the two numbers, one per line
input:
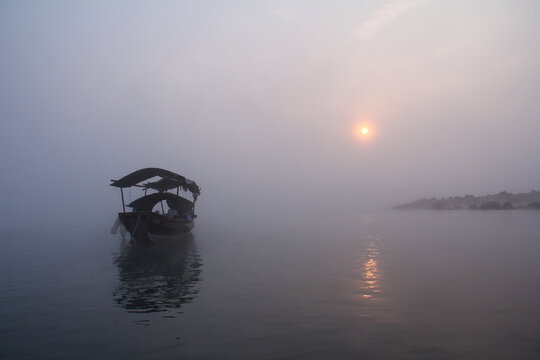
(158, 278)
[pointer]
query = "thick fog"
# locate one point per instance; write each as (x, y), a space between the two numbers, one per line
(260, 103)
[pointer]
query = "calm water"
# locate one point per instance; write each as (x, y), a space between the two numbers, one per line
(389, 285)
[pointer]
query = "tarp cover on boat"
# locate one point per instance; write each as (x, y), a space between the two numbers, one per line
(169, 180)
(147, 203)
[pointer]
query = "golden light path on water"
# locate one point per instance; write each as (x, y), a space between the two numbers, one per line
(367, 272)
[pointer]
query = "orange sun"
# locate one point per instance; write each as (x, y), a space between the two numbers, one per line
(363, 131)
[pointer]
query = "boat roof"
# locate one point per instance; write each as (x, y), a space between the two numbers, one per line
(169, 180)
(147, 203)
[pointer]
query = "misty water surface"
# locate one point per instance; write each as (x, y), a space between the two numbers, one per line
(388, 285)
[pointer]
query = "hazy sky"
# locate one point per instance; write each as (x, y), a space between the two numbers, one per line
(258, 101)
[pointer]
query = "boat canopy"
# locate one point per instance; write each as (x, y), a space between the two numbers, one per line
(147, 203)
(169, 180)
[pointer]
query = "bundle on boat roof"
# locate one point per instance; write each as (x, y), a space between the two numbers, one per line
(169, 180)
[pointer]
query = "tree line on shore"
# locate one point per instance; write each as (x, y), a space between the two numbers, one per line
(500, 201)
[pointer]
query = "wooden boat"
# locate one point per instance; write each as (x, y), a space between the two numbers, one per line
(146, 222)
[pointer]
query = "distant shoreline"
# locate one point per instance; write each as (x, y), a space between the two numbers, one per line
(500, 201)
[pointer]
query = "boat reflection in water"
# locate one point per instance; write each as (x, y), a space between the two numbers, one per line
(367, 272)
(159, 277)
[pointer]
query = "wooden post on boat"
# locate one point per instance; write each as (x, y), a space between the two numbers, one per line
(123, 204)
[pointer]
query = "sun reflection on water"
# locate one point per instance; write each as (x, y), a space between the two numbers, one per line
(368, 275)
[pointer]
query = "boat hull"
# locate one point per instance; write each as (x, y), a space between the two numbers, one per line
(148, 226)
